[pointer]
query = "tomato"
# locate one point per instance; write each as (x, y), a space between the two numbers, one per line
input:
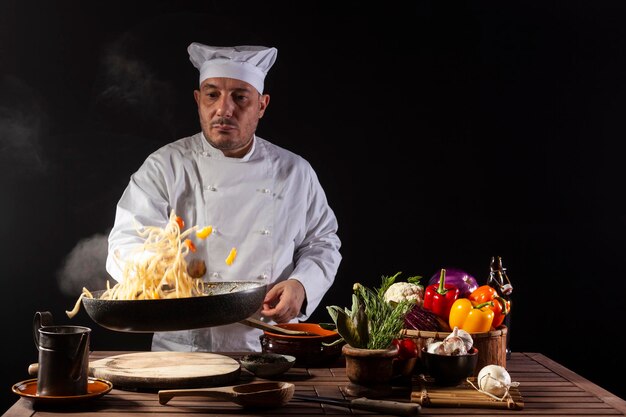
(407, 348)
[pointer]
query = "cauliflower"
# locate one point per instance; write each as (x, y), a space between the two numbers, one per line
(400, 291)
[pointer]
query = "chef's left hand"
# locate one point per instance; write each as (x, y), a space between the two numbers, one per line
(284, 301)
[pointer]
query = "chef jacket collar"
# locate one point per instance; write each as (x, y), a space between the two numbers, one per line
(209, 150)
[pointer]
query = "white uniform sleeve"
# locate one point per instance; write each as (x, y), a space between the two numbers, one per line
(146, 195)
(317, 258)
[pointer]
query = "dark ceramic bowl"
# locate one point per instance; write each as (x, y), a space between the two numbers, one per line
(310, 351)
(450, 370)
(267, 365)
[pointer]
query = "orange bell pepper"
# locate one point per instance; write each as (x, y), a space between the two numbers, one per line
(190, 245)
(471, 316)
(500, 307)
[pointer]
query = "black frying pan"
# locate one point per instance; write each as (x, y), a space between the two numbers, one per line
(226, 302)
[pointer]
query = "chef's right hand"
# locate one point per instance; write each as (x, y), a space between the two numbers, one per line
(284, 300)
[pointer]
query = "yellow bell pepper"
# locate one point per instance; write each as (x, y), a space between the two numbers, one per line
(470, 316)
(231, 256)
(204, 232)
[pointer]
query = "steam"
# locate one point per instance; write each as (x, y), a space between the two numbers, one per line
(85, 266)
(127, 81)
(22, 121)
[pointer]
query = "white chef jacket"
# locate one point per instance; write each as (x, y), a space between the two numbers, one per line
(268, 204)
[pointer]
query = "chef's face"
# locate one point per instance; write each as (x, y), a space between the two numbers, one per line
(229, 112)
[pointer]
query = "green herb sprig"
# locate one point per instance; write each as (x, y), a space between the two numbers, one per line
(371, 323)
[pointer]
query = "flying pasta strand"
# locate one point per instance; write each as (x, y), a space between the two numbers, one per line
(158, 268)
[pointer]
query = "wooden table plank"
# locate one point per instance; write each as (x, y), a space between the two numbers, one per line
(547, 388)
(611, 399)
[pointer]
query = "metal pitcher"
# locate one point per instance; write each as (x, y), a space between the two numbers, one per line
(63, 357)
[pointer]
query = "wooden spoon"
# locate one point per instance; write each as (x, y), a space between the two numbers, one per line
(258, 324)
(255, 394)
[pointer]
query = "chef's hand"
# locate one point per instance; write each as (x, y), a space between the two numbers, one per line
(284, 301)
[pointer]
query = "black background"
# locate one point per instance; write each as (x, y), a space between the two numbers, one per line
(443, 133)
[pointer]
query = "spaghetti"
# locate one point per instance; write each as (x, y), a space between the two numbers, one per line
(157, 269)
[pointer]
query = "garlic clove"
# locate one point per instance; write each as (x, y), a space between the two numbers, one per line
(436, 347)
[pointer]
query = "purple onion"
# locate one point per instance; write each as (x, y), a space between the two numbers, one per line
(464, 281)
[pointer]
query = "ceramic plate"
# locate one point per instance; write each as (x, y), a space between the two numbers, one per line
(96, 388)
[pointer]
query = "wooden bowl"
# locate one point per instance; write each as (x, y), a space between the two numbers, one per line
(491, 345)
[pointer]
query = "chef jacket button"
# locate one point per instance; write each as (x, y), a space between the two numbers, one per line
(210, 188)
(215, 274)
(265, 232)
(264, 277)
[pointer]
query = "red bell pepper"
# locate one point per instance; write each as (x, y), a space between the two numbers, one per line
(500, 306)
(439, 298)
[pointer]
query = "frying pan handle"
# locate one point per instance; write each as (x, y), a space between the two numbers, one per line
(258, 324)
(167, 394)
(386, 407)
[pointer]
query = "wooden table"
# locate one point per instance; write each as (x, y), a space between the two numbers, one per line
(548, 389)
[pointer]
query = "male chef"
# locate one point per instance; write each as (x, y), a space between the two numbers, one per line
(261, 199)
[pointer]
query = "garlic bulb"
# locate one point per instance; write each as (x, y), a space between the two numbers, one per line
(464, 335)
(456, 344)
(459, 342)
(495, 380)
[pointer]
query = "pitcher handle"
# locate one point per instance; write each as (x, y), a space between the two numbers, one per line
(79, 354)
(41, 319)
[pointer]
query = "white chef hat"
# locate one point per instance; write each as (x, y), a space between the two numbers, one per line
(245, 63)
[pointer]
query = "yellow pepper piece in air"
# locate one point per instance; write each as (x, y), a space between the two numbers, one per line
(231, 256)
(204, 232)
